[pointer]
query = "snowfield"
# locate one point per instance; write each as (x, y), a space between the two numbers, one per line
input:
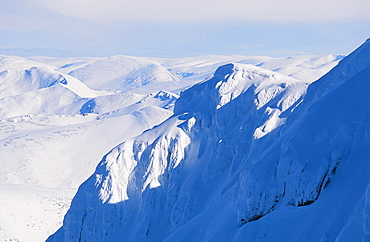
(210, 148)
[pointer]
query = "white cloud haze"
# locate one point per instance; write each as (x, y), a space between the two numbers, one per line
(210, 10)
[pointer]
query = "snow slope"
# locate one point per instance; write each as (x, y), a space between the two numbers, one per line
(57, 153)
(30, 213)
(15, 79)
(248, 155)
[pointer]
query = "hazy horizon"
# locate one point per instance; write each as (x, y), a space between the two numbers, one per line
(178, 28)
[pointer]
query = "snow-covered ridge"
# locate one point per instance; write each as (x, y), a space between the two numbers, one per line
(353, 64)
(209, 113)
(271, 93)
(228, 83)
(16, 82)
(227, 151)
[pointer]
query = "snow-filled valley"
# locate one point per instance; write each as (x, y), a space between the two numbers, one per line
(208, 148)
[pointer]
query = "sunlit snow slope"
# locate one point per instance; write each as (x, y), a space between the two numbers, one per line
(249, 154)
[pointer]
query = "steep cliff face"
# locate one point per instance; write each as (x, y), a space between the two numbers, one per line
(244, 150)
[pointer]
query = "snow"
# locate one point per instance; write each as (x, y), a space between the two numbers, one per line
(30, 213)
(177, 160)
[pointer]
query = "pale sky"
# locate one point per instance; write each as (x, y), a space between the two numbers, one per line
(167, 28)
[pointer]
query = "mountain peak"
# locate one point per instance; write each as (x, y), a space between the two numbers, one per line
(214, 124)
(233, 80)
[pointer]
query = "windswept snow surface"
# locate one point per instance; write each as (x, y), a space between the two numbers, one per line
(58, 117)
(249, 154)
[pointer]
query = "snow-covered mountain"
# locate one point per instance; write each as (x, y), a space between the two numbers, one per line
(249, 154)
(122, 73)
(58, 117)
